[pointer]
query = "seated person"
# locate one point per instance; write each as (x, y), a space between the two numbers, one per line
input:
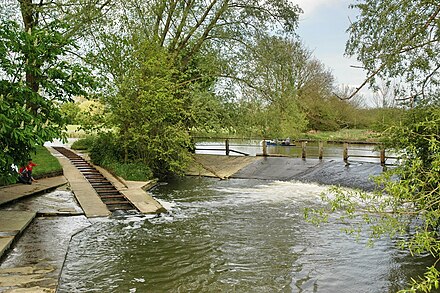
(25, 173)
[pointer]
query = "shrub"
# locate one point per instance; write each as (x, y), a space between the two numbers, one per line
(107, 150)
(129, 171)
(106, 147)
(84, 143)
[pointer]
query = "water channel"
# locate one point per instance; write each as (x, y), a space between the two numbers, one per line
(237, 235)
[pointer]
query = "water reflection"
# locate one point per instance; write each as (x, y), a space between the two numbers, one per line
(231, 236)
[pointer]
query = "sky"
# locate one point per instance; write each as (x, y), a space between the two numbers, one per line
(322, 27)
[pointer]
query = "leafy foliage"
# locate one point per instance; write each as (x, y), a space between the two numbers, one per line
(164, 59)
(107, 151)
(150, 112)
(399, 39)
(407, 204)
(29, 111)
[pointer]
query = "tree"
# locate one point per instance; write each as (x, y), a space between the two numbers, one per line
(399, 39)
(35, 77)
(190, 45)
(384, 96)
(271, 77)
(149, 115)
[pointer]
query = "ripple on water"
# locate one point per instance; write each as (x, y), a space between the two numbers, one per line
(230, 236)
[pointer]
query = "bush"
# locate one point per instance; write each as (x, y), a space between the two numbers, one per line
(84, 143)
(129, 171)
(107, 150)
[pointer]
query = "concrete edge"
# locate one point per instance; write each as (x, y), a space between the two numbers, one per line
(5, 244)
(37, 191)
(13, 227)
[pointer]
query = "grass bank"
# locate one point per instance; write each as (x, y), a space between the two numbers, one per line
(47, 165)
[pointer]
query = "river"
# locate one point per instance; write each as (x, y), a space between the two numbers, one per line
(237, 235)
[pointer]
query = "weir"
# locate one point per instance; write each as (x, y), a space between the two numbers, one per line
(328, 172)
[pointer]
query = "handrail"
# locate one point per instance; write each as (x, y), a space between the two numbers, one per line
(382, 156)
(293, 140)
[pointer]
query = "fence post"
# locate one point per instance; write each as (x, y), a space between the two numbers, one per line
(345, 152)
(264, 148)
(321, 149)
(303, 147)
(382, 157)
(227, 146)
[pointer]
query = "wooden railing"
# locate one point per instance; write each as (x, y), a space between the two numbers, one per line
(227, 149)
(346, 155)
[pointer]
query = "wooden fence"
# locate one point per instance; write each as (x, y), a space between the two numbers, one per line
(346, 154)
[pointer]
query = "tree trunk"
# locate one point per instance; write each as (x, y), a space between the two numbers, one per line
(30, 15)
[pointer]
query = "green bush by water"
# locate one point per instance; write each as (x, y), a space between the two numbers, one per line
(84, 143)
(129, 171)
(107, 152)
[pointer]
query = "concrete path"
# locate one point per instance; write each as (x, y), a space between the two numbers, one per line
(87, 197)
(16, 191)
(13, 223)
(84, 192)
(135, 192)
(222, 167)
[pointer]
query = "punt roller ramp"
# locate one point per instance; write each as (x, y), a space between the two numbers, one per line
(109, 195)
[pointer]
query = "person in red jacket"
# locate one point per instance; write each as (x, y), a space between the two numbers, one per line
(25, 173)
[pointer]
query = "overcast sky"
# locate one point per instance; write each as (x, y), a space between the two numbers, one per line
(322, 27)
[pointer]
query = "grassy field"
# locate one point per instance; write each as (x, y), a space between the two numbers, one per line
(74, 131)
(342, 135)
(47, 164)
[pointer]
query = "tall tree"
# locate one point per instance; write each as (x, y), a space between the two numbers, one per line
(36, 74)
(197, 41)
(272, 76)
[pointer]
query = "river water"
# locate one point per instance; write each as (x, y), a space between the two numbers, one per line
(235, 235)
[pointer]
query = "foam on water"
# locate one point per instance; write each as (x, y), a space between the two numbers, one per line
(230, 236)
(274, 192)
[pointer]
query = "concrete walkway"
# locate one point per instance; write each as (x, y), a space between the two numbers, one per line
(16, 191)
(89, 199)
(85, 194)
(12, 224)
